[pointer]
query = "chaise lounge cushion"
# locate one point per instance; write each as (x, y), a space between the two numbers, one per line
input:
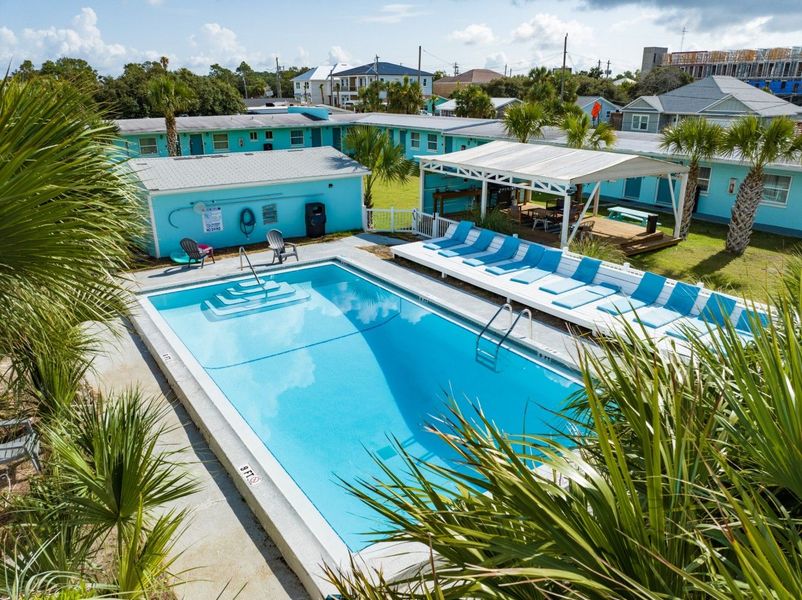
(457, 237)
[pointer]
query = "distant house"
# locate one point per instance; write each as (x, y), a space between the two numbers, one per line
(319, 84)
(354, 79)
(448, 109)
(624, 81)
(717, 98)
(606, 108)
(446, 85)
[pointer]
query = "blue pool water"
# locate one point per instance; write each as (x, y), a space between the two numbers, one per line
(327, 380)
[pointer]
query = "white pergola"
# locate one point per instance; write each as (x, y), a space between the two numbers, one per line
(553, 170)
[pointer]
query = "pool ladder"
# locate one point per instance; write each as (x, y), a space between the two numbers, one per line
(489, 358)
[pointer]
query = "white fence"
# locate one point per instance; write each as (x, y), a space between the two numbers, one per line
(392, 220)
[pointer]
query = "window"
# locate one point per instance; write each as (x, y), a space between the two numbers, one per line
(147, 145)
(297, 85)
(431, 143)
(414, 140)
(254, 135)
(703, 180)
(269, 214)
(775, 189)
(220, 141)
(640, 122)
(296, 137)
(268, 135)
(424, 83)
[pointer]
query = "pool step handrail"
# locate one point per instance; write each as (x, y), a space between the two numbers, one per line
(490, 358)
(242, 253)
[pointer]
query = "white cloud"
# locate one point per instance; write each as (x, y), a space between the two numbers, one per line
(155, 2)
(338, 55)
(474, 34)
(394, 13)
(496, 61)
(302, 59)
(548, 30)
(218, 44)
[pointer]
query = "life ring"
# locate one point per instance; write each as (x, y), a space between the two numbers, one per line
(247, 221)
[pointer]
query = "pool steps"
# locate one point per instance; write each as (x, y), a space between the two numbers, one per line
(249, 296)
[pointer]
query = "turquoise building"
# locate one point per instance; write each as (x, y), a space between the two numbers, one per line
(230, 200)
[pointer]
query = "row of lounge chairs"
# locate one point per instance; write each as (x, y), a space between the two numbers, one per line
(581, 290)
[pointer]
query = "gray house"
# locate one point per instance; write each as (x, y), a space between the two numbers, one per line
(717, 98)
(606, 108)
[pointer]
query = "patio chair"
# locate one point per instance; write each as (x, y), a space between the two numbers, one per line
(547, 265)
(281, 249)
(585, 274)
(679, 304)
(533, 255)
(716, 312)
(194, 253)
(647, 293)
(480, 244)
(457, 237)
(25, 446)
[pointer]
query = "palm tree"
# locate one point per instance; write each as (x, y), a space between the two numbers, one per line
(758, 144)
(375, 150)
(169, 96)
(581, 133)
(473, 101)
(525, 121)
(699, 140)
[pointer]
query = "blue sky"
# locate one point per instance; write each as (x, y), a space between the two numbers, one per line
(473, 33)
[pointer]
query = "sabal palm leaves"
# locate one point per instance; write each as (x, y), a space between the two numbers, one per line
(581, 133)
(375, 149)
(758, 144)
(170, 96)
(699, 140)
(525, 121)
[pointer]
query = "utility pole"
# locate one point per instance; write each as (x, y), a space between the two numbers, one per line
(376, 66)
(505, 70)
(562, 75)
(278, 79)
(456, 69)
(607, 72)
(420, 49)
(245, 85)
(682, 41)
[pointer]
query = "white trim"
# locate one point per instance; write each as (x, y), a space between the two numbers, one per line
(640, 116)
(229, 186)
(787, 193)
(153, 226)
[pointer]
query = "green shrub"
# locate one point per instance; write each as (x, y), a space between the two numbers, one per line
(495, 220)
(598, 248)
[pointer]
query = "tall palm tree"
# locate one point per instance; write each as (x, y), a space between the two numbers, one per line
(581, 133)
(169, 96)
(525, 121)
(375, 150)
(699, 140)
(758, 144)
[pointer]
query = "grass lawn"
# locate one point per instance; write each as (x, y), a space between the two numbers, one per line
(700, 258)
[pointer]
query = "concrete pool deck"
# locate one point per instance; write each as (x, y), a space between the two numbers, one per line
(224, 538)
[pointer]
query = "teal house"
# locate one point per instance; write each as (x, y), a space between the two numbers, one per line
(229, 200)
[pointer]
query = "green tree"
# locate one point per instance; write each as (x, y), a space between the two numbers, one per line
(661, 80)
(758, 144)
(210, 95)
(525, 121)
(375, 150)
(439, 74)
(169, 96)
(251, 83)
(508, 87)
(404, 97)
(76, 71)
(473, 101)
(216, 71)
(370, 97)
(698, 140)
(581, 133)
(26, 70)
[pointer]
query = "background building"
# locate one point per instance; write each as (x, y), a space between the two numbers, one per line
(606, 108)
(445, 86)
(354, 79)
(449, 108)
(319, 84)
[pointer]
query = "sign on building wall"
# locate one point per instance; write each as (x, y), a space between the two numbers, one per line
(212, 220)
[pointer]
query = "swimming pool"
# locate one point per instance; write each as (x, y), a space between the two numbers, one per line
(333, 364)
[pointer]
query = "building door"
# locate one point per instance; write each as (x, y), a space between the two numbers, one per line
(195, 144)
(632, 188)
(402, 137)
(663, 191)
(336, 138)
(449, 144)
(316, 138)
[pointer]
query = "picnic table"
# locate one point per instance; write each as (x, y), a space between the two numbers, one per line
(621, 213)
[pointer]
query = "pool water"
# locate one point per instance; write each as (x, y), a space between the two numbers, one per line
(330, 379)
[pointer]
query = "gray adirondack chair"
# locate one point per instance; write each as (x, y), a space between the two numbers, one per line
(281, 249)
(23, 447)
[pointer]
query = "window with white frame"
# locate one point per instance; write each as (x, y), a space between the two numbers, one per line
(296, 137)
(414, 140)
(431, 142)
(220, 141)
(775, 189)
(297, 85)
(254, 135)
(703, 180)
(640, 122)
(147, 145)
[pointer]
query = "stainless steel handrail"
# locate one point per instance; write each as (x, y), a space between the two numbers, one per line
(242, 253)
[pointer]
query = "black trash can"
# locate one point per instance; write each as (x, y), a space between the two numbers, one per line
(315, 219)
(651, 223)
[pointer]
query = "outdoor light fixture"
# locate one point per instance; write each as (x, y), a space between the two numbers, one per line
(731, 187)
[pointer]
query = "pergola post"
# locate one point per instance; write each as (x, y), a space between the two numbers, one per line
(596, 199)
(423, 187)
(566, 220)
(683, 187)
(483, 205)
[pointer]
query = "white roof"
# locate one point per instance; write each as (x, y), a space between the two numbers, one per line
(322, 72)
(497, 103)
(554, 164)
(243, 169)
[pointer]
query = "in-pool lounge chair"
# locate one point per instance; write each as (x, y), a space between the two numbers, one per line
(547, 265)
(680, 304)
(533, 255)
(585, 274)
(456, 238)
(647, 292)
(508, 249)
(716, 312)
(480, 244)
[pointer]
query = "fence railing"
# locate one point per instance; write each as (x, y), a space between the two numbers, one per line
(393, 220)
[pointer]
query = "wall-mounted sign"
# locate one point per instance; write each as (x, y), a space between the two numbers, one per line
(212, 220)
